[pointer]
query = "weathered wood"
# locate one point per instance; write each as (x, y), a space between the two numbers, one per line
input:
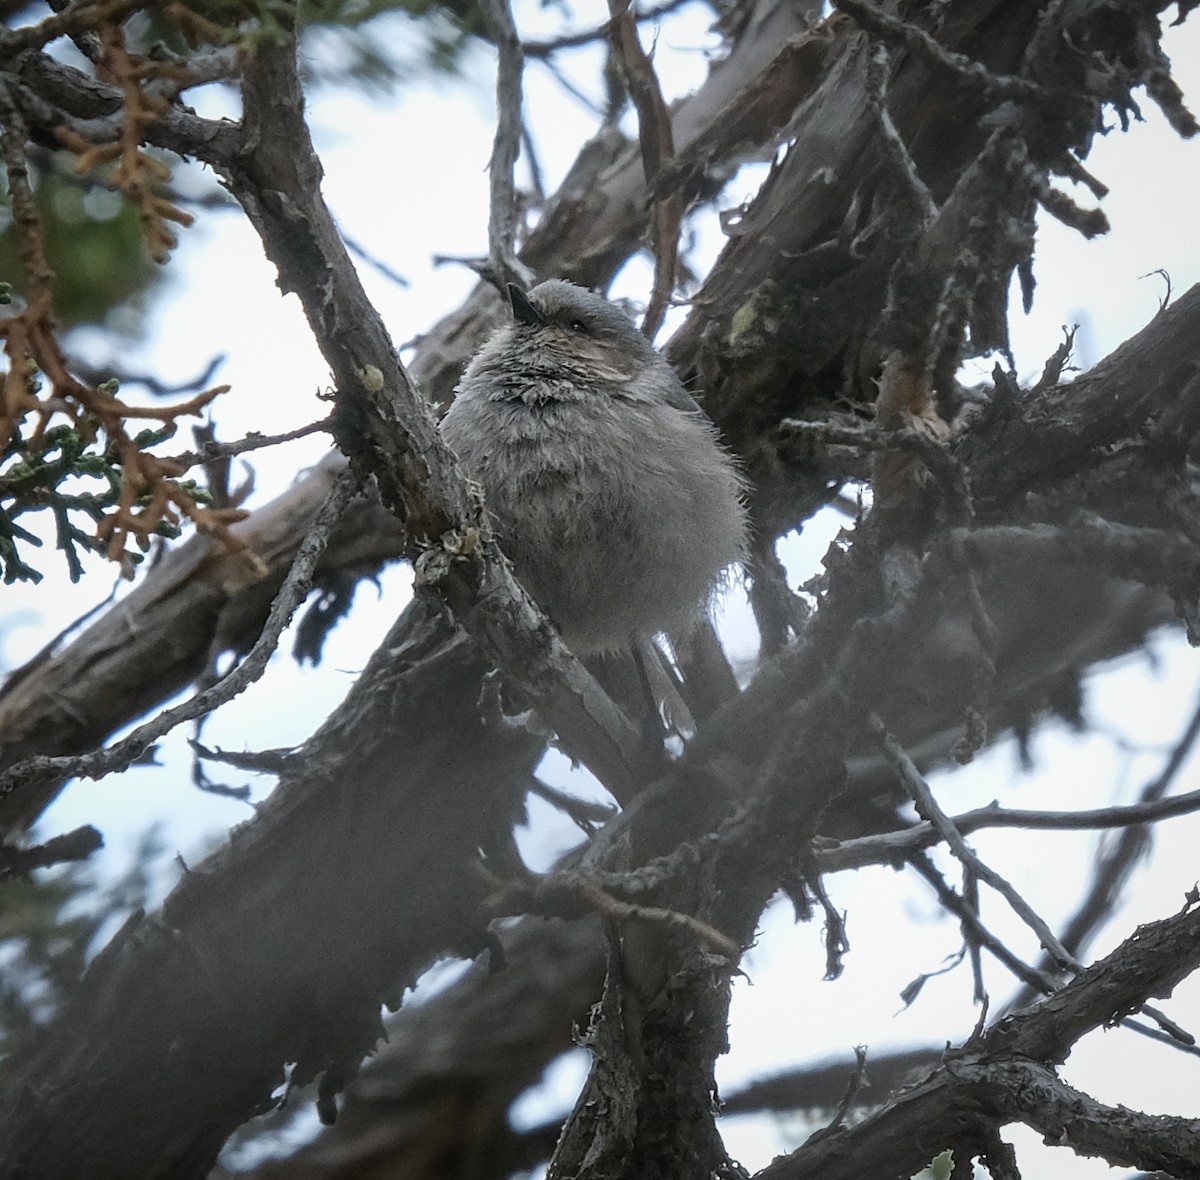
(363, 867)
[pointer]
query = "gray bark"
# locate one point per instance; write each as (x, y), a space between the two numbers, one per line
(363, 867)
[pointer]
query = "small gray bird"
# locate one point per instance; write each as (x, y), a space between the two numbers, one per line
(610, 491)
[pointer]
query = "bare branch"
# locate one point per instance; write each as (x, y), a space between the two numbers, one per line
(76, 18)
(55, 95)
(506, 147)
(850, 1098)
(878, 68)
(542, 49)
(123, 753)
(658, 150)
(1007, 1075)
(252, 442)
(1116, 864)
(893, 29)
(977, 934)
(71, 846)
(572, 895)
(891, 847)
(928, 808)
(389, 273)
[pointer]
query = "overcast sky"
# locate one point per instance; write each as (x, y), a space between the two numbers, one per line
(406, 178)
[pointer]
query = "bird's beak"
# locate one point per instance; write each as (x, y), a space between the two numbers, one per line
(523, 310)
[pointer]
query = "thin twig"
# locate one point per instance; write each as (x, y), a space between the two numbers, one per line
(537, 180)
(974, 73)
(658, 150)
(252, 442)
(837, 943)
(1070, 166)
(970, 896)
(1088, 222)
(918, 789)
(914, 987)
(970, 922)
(1115, 867)
(927, 806)
(573, 894)
(1052, 371)
(896, 151)
(1118, 862)
(506, 147)
(560, 76)
(893, 847)
(121, 754)
(97, 375)
(858, 1079)
(613, 908)
(543, 49)
(584, 813)
(357, 248)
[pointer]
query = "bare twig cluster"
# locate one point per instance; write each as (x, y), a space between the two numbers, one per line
(846, 293)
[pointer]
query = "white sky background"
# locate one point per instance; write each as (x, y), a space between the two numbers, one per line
(406, 177)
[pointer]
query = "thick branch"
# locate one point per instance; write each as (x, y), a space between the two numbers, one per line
(387, 429)
(1006, 1076)
(198, 601)
(58, 94)
(315, 898)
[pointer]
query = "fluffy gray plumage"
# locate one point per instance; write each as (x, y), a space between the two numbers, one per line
(610, 491)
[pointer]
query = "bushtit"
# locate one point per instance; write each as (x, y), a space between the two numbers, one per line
(609, 489)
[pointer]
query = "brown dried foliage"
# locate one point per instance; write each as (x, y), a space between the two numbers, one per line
(151, 495)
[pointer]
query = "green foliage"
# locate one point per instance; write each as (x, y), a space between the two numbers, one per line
(67, 474)
(46, 927)
(94, 244)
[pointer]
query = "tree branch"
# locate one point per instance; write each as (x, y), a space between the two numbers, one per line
(78, 844)
(1007, 1075)
(37, 770)
(658, 150)
(338, 860)
(201, 600)
(387, 430)
(503, 209)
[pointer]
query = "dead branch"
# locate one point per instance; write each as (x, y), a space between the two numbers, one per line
(591, 227)
(33, 771)
(387, 429)
(504, 207)
(893, 847)
(1118, 862)
(540, 49)
(657, 141)
(929, 810)
(75, 845)
(913, 37)
(1008, 1075)
(435, 921)
(252, 442)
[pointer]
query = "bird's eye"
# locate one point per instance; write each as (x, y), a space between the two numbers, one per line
(577, 326)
